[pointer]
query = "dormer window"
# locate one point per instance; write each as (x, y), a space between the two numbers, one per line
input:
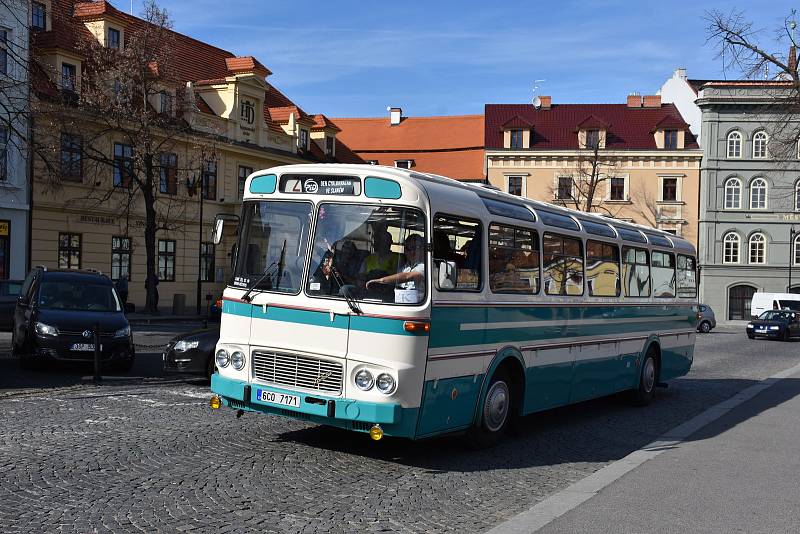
(68, 75)
(670, 139)
(302, 139)
(114, 38)
(38, 16)
(516, 139)
(166, 103)
(404, 163)
(592, 139)
(329, 143)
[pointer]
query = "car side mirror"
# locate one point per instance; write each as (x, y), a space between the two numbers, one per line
(447, 275)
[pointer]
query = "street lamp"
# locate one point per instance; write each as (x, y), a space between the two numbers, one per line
(193, 186)
(792, 253)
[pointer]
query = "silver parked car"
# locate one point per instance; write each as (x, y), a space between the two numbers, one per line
(705, 319)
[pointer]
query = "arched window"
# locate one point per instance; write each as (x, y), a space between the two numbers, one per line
(734, 145)
(730, 248)
(758, 194)
(758, 249)
(797, 195)
(760, 145)
(796, 249)
(733, 194)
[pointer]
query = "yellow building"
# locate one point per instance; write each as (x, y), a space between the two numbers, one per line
(238, 123)
(636, 161)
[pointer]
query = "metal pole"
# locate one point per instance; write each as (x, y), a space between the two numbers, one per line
(200, 244)
(97, 377)
(791, 255)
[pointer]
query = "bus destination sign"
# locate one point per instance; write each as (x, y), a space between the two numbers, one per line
(321, 184)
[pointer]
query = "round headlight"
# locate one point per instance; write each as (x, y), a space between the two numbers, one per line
(385, 383)
(237, 360)
(222, 358)
(364, 380)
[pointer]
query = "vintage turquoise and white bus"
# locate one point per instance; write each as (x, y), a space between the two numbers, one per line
(502, 307)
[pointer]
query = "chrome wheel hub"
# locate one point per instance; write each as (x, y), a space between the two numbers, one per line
(649, 375)
(495, 407)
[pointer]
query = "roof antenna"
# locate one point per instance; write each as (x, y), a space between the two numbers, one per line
(535, 100)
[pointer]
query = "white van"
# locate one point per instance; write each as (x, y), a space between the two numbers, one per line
(773, 301)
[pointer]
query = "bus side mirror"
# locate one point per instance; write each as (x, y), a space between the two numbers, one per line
(447, 275)
(217, 235)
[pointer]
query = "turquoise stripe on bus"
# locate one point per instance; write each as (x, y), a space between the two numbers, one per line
(263, 185)
(381, 325)
(381, 188)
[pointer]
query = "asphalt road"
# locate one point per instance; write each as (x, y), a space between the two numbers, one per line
(147, 454)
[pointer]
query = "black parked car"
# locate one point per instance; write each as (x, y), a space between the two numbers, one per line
(778, 324)
(56, 314)
(192, 352)
(9, 293)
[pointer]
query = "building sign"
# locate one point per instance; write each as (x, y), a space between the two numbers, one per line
(793, 217)
(4, 228)
(96, 219)
(248, 111)
(321, 185)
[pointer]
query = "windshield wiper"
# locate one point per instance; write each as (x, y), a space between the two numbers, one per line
(344, 290)
(267, 272)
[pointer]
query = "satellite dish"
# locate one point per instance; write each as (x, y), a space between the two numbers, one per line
(537, 102)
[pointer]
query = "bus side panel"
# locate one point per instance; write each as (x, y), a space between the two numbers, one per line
(677, 353)
(548, 378)
(449, 404)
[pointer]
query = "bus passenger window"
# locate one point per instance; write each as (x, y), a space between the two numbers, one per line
(687, 276)
(663, 274)
(635, 272)
(562, 260)
(457, 253)
(602, 269)
(513, 260)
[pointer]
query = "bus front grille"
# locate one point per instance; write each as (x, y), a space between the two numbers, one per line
(298, 371)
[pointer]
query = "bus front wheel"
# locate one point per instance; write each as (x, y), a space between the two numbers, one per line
(495, 412)
(648, 378)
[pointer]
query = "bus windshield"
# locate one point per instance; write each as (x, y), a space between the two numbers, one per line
(273, 245)
(368, 252)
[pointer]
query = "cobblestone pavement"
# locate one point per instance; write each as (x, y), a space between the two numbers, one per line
(148, 456)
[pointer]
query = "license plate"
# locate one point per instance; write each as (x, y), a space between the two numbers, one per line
(761, 330)
(84, 347)
(273, 397)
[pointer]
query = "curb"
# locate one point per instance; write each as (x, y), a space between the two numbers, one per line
(548, 510)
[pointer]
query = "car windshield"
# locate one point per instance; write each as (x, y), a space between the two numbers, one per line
(73, 295)
(772, 315)
(369, 252)
(793, 305)
(274, 242)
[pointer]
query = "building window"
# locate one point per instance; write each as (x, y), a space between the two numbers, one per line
(123, 165)
(38, 16)
(3, 154)
(166, 260)
(113, 38)
(734, 145)
(244, 172)
(669, 189)
(516, 138)
(329, 143)
(68, 75)
(592, 139)
(797, 196)
(168, 174)
(758, 194)
(617, 189)
(671, 139)
(120, 257)
(564, 191)
(302, 139)
(207, 262)
(71, 164)
(515, 185)
(210, 179)
(166, 103)
(404, 163)
(760, 145)
(733, 194)
(3, 51)
(758, 249)
(730, 248)
(796, 249)
(69, 251)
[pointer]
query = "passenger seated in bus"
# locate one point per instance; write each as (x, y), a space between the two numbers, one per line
(322, 281)
(382, 261)
(442, 251)
(410, 279)
(347, 261)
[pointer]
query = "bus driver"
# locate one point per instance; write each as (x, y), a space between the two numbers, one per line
(411, 277)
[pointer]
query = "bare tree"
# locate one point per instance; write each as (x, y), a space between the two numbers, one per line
(588, 176)
(122, 122)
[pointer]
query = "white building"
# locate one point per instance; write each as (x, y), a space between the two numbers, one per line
(682, 92)
(15, 20)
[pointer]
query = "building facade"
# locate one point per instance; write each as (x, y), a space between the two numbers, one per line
(14, 94)
(636, 161)
(237, 123)
(750, 195)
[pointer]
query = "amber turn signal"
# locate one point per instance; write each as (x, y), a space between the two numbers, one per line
(417, 327)
(376, 432)
(215, 402)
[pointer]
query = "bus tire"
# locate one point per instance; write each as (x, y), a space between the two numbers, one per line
(495, 413)
(643, 394)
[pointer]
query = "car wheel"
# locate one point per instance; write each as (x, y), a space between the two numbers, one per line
(785, 336)
(123, 366)
(495, 413)
(648, 378)
(705, 327)
(751, 336)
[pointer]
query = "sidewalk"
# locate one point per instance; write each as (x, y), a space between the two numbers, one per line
(734, 468)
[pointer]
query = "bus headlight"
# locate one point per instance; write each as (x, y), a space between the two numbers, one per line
(364, 380)
(222, 358)
(385, 383)
(237, 360)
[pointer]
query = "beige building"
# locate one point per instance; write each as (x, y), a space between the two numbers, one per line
(636, 161)
(238, 123)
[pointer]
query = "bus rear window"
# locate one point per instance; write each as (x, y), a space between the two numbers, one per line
(687, 276)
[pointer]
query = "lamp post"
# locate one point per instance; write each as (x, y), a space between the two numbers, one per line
(791, 254)
(194, 186)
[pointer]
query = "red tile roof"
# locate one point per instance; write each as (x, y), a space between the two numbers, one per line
(554, 128)
(592, 121)
(517, 122)
(246, 64)
(322, 122)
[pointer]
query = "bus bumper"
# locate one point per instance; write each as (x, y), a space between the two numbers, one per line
(334, 411)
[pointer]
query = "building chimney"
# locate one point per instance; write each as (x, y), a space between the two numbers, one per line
(395, 115)
(792, 60)
(634, 100)
(680, 73)
(545, 102)
(651, 101)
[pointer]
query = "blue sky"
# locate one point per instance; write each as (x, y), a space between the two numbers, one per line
(355, 58)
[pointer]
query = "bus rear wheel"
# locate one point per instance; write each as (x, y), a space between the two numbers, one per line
(646, 390)
(495, 412)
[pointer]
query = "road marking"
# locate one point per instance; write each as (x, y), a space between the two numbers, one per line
(546, 511)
